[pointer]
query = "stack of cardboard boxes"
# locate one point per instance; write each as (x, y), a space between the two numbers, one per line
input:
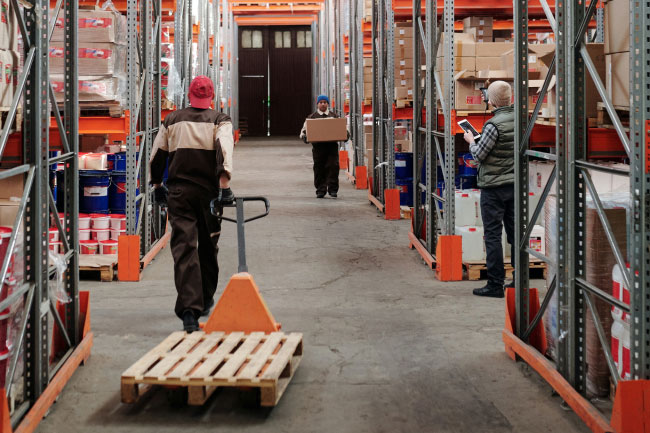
(367, 11)
(367, 80)
(9, 56)
(617, 52)
(480, 28)
(403, 65)
(101, 57)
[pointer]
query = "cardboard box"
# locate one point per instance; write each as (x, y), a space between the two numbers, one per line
(404, 32)
(367, 62)
(488, 63)
(404, 74)
(480, 33)
(404, 83)
(92, 58)
(468, 95)
(367, 140)
(618, 78)
(460, 64)
(464, 45)
(478, 21)
(404, 63)
(493, 49)
(326, 130)
(535, 63)
(8, 212)
(403, 93)
(92, 143)
(403, 146)
(12, 187)
(617, 34)
(95, 26)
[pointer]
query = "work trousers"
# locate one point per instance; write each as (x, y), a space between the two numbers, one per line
(195, 235)
(326, 167)
(497, 212)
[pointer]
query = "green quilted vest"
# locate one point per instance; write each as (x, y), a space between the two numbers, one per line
(499, 167)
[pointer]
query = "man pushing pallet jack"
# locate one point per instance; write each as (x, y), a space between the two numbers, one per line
(240, 344)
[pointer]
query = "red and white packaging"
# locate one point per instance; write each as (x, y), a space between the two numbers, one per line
(62, 219)
(118, 221)
(56, 247)
(100, 221)
(115, 234)
(84, 234)
(53, 233)
(84, 221)
(621, 348)
(621, 292)
(100, 234)
(108, 247)
(89, 247)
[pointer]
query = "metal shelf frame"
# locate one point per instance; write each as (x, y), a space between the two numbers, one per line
(37, 207)
(572, 171)
(356, 82)
(382, 170)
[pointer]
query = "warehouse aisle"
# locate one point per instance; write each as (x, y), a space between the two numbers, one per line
(387, 347)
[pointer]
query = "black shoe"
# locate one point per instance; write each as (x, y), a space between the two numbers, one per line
(320, 194)
(510, 285)
(333, 194)
(190, 324)
(489, 291)
(208, 307)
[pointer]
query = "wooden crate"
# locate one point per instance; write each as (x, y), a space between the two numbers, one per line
(604, 121)
(203, 362)
(475, 269)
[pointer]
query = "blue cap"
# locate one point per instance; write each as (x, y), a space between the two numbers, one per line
(323, 98)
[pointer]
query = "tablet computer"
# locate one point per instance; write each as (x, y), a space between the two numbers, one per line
(467, 127)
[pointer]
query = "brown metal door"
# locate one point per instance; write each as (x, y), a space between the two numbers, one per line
(290, 78)
(253, 81)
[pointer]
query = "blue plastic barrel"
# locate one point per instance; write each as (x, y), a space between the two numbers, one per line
(60, 182)
(117, 192)
(405, 196)
(440, 190)
(465, 182)
(403, 165)
(470, 164)
(120, 161)
(110, 161)
(93, 191)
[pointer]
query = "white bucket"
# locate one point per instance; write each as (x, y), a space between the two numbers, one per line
(53, 233)
(118, 221)
(84, 234)
(84, 221)
(100, 221)
(115, 234)
(100, 234)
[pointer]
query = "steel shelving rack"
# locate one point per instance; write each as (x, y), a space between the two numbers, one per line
(43, 316)
(572, 173)
(356, 89)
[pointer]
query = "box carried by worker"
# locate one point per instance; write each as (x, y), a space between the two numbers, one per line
(327, 130)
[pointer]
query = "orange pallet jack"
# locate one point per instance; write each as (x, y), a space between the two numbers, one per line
(240, 345)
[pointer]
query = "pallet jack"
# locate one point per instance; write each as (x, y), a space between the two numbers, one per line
(240, 344)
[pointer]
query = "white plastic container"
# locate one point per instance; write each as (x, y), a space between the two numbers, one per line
(100, 221)
(84, 234)
(88, 247)
(466, 208)
(100, 234)
(56, 247)
(115, 234)
(108, 247)
(53, 234)
(118, 221)
(533, 199)
(536, 240)
(84, 221)
(473, 244)
(476, 193)
(621, 348)
(95, 161)
(621, 292)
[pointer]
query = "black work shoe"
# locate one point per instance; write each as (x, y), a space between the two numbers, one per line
(489, 291)
(207, 308)
(510, 284)
(190, 324)
(320, 194)
(333, 194)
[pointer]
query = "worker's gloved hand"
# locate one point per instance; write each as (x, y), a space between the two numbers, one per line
(349, 136)
(160, 194)
(225, 196)
(304, 139)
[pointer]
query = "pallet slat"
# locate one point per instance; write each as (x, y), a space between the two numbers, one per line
(261, 357)
(142, 365)
(235, 362)
(283, 356)
(218, 356)
(196, 356)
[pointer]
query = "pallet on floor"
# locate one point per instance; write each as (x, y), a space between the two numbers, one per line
(405, 212)
(203, 362)
(103, 266)
(477, 270)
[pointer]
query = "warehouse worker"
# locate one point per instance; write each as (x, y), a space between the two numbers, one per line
(199, 144)
(326, 154)
(495, 153)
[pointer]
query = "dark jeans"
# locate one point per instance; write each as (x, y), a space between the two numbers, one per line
(497, 211)
(195, 234)
(326, 167)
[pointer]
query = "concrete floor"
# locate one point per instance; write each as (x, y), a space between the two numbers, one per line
(387, 347)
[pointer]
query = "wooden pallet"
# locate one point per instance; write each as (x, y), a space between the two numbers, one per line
(105, 266)
(203, 362)
(475, 269)
(604, 121)
(404, 103)
(406, 212)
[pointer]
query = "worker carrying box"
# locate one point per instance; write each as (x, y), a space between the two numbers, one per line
(324, 129)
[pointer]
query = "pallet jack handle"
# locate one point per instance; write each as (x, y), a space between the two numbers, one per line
(216, 210)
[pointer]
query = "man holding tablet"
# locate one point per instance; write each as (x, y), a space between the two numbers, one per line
(495, 153)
